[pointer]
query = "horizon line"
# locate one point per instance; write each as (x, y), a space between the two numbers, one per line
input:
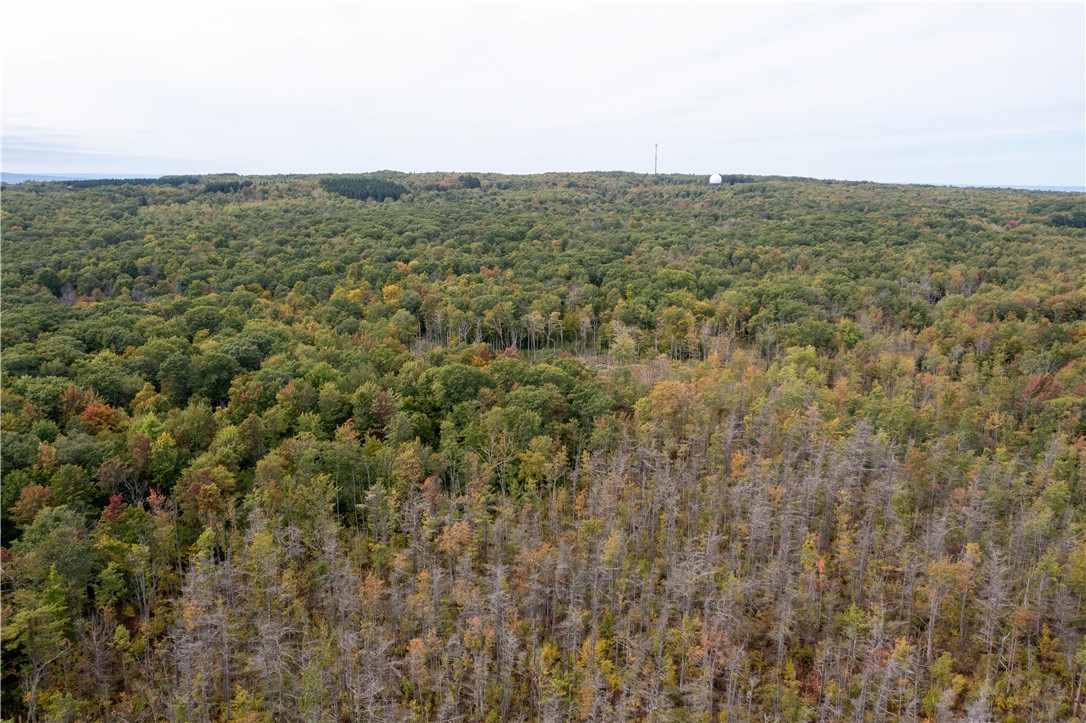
(30, 176)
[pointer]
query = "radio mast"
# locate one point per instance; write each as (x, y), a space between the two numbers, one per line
(655, 156)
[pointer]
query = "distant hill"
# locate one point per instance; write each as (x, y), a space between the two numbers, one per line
(1061, 189)
(21, 177)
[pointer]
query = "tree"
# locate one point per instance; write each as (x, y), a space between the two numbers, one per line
(38, 633)
(212, 374)
(106, 374)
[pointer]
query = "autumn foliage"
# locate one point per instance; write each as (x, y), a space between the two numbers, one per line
(563, 447)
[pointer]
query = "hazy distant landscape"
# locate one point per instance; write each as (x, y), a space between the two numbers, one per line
(14, 178)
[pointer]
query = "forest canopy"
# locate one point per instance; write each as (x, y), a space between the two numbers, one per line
(595, 446)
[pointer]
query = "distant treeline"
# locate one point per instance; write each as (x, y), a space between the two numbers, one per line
(163, 181)
(226, 186)
(675, 179)
(463, 182)
(363, 188)
(176, 181)
(734, 178)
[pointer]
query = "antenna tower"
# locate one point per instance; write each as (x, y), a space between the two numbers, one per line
(655, 156)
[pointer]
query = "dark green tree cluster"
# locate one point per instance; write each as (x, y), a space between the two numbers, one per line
(1076, 219)
(363, 187)
(226, 186)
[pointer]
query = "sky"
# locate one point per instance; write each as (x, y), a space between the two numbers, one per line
(955, 93)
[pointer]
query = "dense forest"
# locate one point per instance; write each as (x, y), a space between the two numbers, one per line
(567, 447)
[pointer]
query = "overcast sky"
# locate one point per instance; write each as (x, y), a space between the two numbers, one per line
(969, 93)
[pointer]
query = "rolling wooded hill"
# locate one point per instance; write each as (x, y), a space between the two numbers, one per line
(565, 447)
